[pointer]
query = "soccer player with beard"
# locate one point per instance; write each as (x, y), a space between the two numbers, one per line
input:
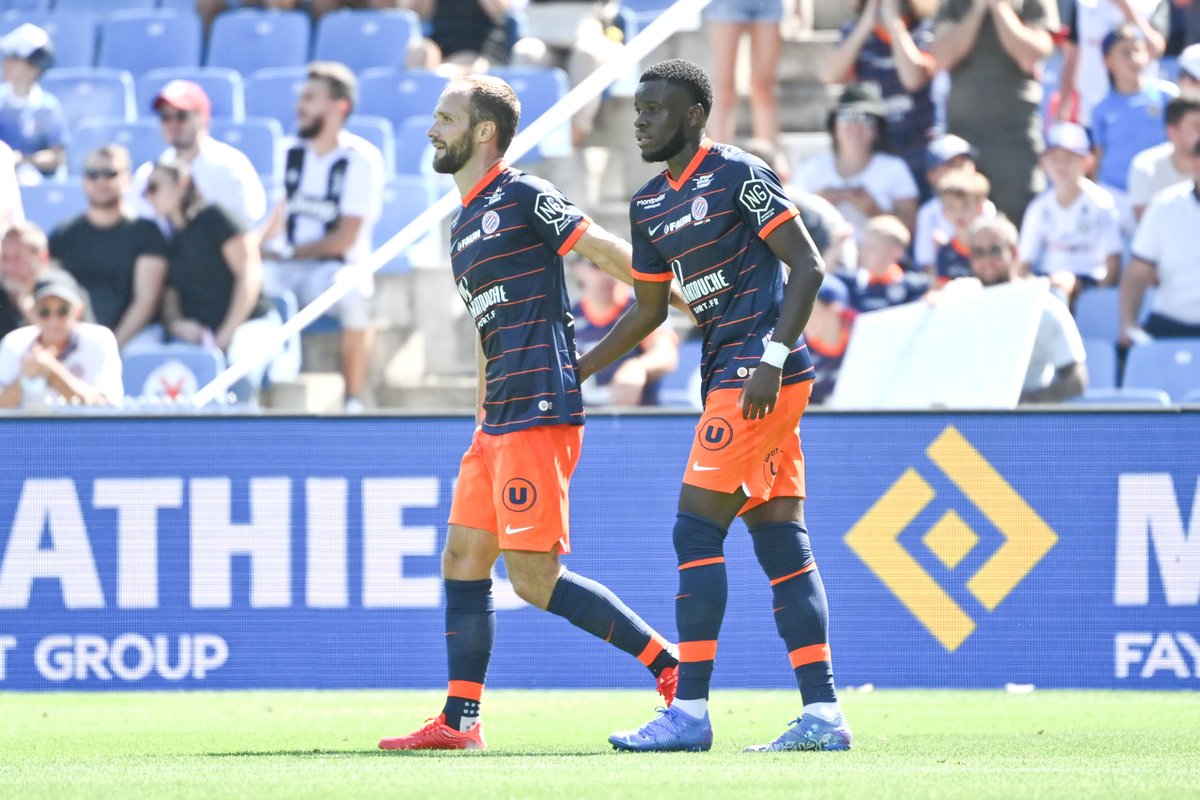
(718, 221)
(506, 247)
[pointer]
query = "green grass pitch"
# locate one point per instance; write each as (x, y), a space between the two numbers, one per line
(908, 744)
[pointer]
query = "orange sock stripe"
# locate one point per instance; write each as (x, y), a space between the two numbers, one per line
(811, 566)
(703, 562)
(809, 655)
(655, 646)
(698, 651)
(468, 690)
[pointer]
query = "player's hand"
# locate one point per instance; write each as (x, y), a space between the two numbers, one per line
(34, 363)
(760, 392)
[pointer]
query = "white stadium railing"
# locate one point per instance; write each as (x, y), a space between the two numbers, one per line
(679, 16)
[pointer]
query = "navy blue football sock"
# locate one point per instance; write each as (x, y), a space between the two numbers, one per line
(801, 609)
(700, 604)
(592, 607)
(470, 633)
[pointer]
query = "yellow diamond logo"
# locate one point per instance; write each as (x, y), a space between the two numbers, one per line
(875, 538)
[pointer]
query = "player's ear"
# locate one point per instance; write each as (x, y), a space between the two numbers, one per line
(485, 131)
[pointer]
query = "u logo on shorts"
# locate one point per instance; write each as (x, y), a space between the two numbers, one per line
(716, 435)
(519, 495)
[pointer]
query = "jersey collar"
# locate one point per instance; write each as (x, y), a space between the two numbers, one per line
(894, 274)
(484, 182)
(705, 145)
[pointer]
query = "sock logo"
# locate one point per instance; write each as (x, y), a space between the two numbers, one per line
(715, 434)
(875, 538)
(519, 495)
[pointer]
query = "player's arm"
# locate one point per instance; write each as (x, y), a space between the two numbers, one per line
(1069, 381)
(333, 244)
(614, 255)
(647, 313)
(791, 243)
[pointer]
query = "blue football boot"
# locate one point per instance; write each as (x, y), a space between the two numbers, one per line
(672, 731)
(810, 732)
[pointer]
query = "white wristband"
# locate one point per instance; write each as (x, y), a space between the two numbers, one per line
(775, 354)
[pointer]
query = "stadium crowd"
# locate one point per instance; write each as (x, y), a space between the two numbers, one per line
(954, 153)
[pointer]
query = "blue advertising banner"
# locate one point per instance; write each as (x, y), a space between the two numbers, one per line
(958, 551)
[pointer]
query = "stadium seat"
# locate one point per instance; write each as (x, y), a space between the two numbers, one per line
(273, 93)
(142, 138)
(404, 198)
(102, 6)
(140, 41)
(224, 88)
(91, 92)
(1192, 397)
(1122, 397)
(178, 5)
(1101, 363)
(398, 95)
(1097, 312)
(252, 40)
(365, 39)
(286, 364)
(538, 89)
(74, 35)
(37, 6)
(1171, 365)
(170, 373)
(414, 153)
(50, 204)
(259, 138)
(682, 387)
(378, 131)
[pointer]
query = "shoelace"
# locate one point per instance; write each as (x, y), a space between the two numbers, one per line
(665, 721)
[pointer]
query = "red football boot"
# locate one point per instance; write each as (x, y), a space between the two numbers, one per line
(668, 683)
(437, 735)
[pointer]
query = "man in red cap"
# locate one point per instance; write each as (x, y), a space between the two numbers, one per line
(223, 174)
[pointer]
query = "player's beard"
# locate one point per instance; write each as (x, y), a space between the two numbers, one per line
(669, 150)
(313, 129)
(455, 156)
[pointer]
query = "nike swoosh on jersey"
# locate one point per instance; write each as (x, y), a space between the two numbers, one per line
(510, 530)
(653, 230)
(696, 466)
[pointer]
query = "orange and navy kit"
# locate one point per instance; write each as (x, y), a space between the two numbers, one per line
(707, 229)
(506, 248)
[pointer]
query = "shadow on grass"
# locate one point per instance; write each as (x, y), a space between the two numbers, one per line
(403, 754)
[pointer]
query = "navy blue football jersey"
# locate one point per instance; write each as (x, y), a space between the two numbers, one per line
(506, 248)
(707, 230)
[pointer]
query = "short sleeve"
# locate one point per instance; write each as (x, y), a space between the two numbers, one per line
(761, 199)
(1110, 236)
(150, 239)
(901, 185)
(552, 217)
(1140, 182)
(108, 378)
(1160, 18)
(363, 193)
(221, 224)
(1100, 125)
(1029, 245)
(648, 263)
(1147, 242)
(10, 361)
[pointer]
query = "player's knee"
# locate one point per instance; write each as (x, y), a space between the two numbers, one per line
(697, 538)
(781, 547)
(533, 579)
(462, 561)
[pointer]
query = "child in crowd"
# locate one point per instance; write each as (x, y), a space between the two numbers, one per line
(945, 154)
(964, 198)
(880, 281)
(1071, 231)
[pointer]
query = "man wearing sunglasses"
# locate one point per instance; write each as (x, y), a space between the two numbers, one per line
(118, 260)
(58, 358)
(1056, 368)
(223, 174)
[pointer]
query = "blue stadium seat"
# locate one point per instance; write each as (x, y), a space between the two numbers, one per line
(224, 88)
(102, 6)
(178, 5)
(682, 387)
(1192, 397)
(404, 198)
(259, 138)
(252, 40)
(539, 88)
(91, 92)
(1101, 363)
(1122, 397)
(398, 95)
(172, 372)
(24, 5)
(378, 131)
(50, 204)
(1097, 312)
(273, 93)
(414, 153)
(286, 364)
(143, 139)
(365, 39)
(140, 41)
(1171, 365)
(74, 35)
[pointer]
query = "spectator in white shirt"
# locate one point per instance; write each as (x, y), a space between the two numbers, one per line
(1056, 367)
(859, 177)
(1165, 254)
(948, 153)
(59, 358)
(1072, 231)
(222, 173)
(1168, 163)
(11, 210)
